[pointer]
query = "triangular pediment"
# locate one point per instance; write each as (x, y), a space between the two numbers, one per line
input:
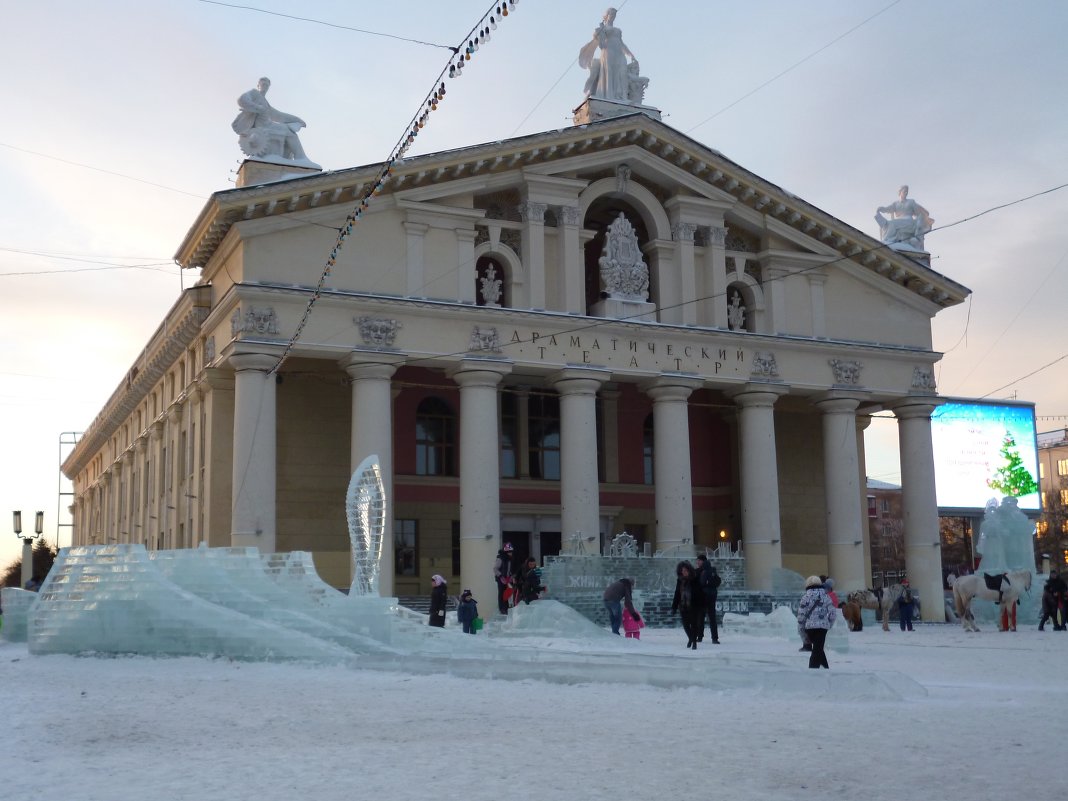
(664, 161)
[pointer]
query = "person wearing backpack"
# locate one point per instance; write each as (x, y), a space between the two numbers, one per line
(709, 579)
(906, 606)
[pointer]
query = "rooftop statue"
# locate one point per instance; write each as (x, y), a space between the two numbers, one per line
(265, 133)
(908, 222)
(611, 77)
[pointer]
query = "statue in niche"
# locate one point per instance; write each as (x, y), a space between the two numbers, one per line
(624, 272)
(265, 133)
(908, 222)
(610, 75)
(736, 312)
(491, 287)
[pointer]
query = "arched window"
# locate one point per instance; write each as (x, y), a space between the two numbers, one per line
(543, 419)
(435, 439)
(647, 450)
(490, 284)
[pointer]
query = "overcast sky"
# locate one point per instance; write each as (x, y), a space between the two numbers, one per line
(837, 101)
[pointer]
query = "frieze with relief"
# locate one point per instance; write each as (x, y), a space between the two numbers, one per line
(764, 365)
(254, 321)
(484, 338)
(846, 372)
(378, 332)
(923, 379)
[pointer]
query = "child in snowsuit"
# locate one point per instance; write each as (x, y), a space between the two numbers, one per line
(467, 612)
(633, 624)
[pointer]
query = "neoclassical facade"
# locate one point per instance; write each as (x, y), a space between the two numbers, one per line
(546, 340)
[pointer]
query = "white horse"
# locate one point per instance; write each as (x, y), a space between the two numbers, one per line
(968, 588)
(881, 599)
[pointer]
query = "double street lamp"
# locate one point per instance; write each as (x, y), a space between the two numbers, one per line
(27, 542)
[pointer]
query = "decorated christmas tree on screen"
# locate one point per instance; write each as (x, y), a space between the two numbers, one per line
(1012, 478)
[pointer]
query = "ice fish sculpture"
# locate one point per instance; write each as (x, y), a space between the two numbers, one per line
(365, 508)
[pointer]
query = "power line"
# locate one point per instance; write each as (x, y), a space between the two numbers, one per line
(1021, 378)
(99, 169)
(793, 66)
(331, 25)
(151, 267)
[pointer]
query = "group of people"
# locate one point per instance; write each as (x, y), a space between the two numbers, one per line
(515, 585)
(696, 591)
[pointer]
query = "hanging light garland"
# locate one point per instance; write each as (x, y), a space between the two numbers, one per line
(479, 35)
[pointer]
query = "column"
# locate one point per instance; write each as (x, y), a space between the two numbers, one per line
(841, 479)
(252, 519)
(923, 552)
(155, 488)
(580, 496)
(671, 459)
(372, 434)
(216, 490)
(533, 215)
(716, 264)
(610, 414)
(480, 504)
(682, 233)
(819, 308)
(570, 260)
(137, 534)
(863, 421)
(465, 271)
(193, 490)
(172, 516)
(105, 507)
(775, 299)
(761, 532)
(415, 234)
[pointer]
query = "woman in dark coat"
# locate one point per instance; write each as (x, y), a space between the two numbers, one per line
(689, 602)
(437, 601)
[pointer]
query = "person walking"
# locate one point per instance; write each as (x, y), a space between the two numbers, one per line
(906, 606)
(689, 602)
(1053, 598)
(816, 614)
(709, 579)
(437, 601)
(617, 595)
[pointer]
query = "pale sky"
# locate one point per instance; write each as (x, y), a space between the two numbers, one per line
(963, 100)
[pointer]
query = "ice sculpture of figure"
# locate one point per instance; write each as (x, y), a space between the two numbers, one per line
(907, 223)
(624, 272)
(1006, 538)
(365, 507)
(264, 132)
(609, 78)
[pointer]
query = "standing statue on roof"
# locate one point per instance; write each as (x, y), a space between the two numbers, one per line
(611, 77)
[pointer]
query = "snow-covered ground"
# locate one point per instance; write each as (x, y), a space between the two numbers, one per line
(932, 714)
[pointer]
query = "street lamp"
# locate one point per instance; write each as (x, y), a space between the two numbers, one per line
(27, 542)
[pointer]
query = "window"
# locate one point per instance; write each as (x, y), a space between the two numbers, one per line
(509, 436)
(647, 450)
(872, 512)
(1062, 467)
(435, 439)
(544, 427)
(1041, 470)
(884, 505)
(1042, 527)
(1064, 497)
(1045, 503)
(406, 547)
(1064, 527)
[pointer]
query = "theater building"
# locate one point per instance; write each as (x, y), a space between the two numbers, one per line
(546, 340)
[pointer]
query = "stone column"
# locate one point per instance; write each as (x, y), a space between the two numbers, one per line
(923, 552)
(252, 520)
(580, 497)
(570, 260)
(105, 507)
(480, 504)
(372, 433)
(819, 308)
(140, 527)
(154, 506)
(465, 272)
(533, 215)
(863, 421)
(671, 459)
(761, 531)
(775, 299)
(841, 478)
(415, 234)
(683, 233)
(716, 264)
(172, 516)
(610, 408)
(129, 513)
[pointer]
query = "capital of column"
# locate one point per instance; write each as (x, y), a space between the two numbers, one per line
(480, 372)
(671, 388)
(569, 215)
(579, 380)
(262, 362)
(837, 402)
(116, 466)
(376, 365)
(532, 212)
(141, 444)
(156, 430)
(174, 413)
(755, 395)
(912, 408)
(215, 378)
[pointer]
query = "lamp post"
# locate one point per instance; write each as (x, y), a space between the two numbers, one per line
(27, 542)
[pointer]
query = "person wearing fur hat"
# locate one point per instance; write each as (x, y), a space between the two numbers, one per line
(816, 615)
(689, 602)
(437, 601)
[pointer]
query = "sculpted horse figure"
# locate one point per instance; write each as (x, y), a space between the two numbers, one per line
(881, 599)
(1006, 590)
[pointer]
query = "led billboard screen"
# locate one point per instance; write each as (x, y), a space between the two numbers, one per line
(984, 451)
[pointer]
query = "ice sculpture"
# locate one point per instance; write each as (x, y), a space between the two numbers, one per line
(16, 604)
(365, 508)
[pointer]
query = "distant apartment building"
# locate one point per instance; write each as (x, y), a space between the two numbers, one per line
(886, 527)
(1052, 526)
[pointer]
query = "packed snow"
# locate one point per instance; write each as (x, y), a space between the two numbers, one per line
(923, 715)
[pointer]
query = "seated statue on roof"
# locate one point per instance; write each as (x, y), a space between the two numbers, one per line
(265, 133)
(904, 229)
